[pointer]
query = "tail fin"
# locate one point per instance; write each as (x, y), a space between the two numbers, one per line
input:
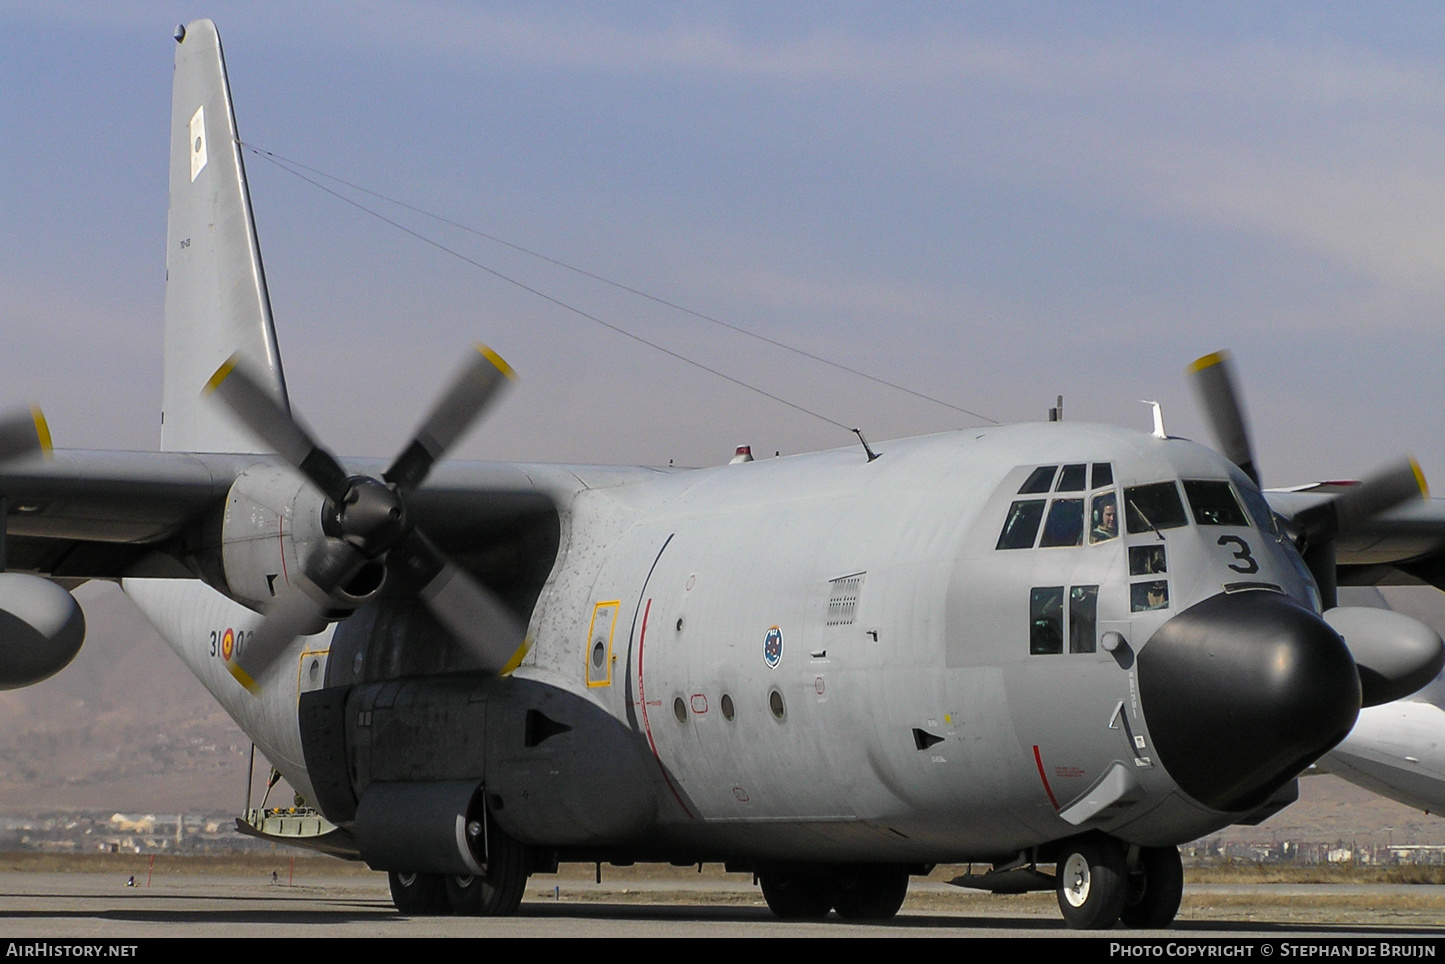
(216, 300)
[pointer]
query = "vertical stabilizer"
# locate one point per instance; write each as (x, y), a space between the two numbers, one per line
(216, 301)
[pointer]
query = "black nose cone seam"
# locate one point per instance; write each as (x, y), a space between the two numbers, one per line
(1243, 691)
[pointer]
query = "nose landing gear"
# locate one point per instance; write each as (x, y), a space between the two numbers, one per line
(1100, 882)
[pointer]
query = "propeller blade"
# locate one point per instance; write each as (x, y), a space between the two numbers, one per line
(23, 433)
(259, 411)
(460, 405)
(1396, 485)
(1218, 393)
(295, 613)
(475, 616)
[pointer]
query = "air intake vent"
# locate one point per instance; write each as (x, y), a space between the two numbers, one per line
(843, 599)
(540, 727)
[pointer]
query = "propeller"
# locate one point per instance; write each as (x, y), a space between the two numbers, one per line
(23, 433)
(1214, 381)
(1316, 527)
(365, 521)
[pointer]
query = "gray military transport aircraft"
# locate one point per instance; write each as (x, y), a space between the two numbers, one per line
(1044, 646)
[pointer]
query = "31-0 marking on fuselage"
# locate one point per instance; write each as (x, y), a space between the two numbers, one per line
(227, 643)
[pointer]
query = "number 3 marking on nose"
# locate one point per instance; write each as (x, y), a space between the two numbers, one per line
(1241, 553)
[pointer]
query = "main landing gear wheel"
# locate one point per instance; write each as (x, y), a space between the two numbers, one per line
(869, 893)
(499, 892)
(1155, 888)
(418, 895)
(797, 896)
(1092, 883)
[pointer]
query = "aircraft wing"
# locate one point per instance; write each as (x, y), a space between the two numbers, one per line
(103, 515)
(1405, 546)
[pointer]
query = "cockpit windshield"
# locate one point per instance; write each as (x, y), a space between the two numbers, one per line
(1213, 504)
(1065, 507)
(1148, 508)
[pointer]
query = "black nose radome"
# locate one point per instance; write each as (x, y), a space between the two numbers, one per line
(1243, 691)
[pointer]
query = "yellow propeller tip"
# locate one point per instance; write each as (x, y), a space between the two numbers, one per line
(220, 376)
(1208, 361)
(498, 361)
(1420, 479)
(517, 657)
(42, 430)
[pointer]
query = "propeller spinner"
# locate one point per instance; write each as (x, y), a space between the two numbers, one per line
(368, 533)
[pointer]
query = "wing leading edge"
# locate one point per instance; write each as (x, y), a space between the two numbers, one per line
(106, 515)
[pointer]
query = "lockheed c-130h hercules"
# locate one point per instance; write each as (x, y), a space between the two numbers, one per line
(1044, 644)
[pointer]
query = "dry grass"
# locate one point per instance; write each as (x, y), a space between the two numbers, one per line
(1346, 873)
(232, 865)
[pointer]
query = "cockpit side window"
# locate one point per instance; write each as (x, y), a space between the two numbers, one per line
(1148, 596)
(1213, 504)
(1154, 506)
(1046, 620)
(1040, 480)
(1022, 524)
(1263, 515)
(1104, 518)
(1083, 618)
(1072, 479)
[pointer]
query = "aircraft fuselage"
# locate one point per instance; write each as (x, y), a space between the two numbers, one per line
(823, 657)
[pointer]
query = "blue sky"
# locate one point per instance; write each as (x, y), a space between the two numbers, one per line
(993, 204)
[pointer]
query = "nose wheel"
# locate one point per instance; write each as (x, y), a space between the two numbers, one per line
(1091, 882)
(1156, 886)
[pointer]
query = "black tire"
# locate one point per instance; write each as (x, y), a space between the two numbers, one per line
(418, 895)
(499, 892)
(1156, 886)
(870, 892)
(1091, 882)
(797, 896)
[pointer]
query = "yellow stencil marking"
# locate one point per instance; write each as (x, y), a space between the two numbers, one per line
(599, 633)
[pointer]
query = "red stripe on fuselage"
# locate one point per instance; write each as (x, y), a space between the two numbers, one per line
(1039, 762)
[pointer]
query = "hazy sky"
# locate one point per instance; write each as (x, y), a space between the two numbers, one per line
(993, 204)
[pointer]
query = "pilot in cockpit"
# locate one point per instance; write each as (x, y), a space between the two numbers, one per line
(1105, 514)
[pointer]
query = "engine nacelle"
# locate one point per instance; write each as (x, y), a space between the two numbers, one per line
(1395, 655)
(271, 525)
(41, 629)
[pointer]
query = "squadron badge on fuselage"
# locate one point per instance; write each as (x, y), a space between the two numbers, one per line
(773, 647)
